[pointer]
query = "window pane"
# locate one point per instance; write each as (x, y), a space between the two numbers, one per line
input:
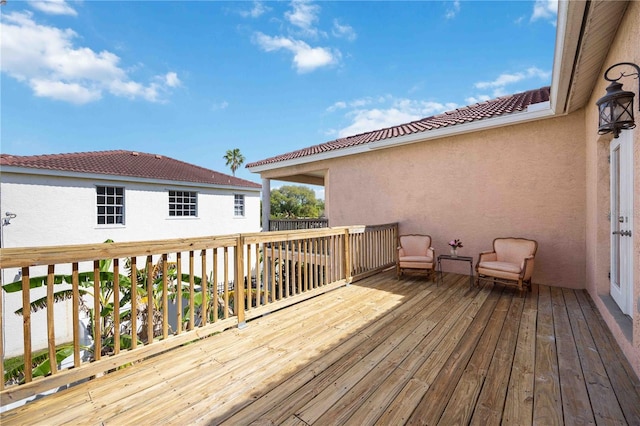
(110, 205)
(183, 203)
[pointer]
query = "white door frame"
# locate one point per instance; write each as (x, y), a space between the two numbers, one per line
(621, 179)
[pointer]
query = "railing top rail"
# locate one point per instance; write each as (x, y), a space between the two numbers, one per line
(32, 256)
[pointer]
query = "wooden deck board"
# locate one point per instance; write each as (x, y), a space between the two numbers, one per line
(380, 351)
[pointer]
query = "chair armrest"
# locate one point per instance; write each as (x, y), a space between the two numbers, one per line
(431, 251)
(400, 251)
(487, 256)
(527, 267)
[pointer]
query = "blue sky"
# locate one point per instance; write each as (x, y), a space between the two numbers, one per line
(191, 80)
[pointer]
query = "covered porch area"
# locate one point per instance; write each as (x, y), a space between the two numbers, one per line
(378, 351)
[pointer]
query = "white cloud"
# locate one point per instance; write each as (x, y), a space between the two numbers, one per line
(545, 9)
(171, 79)
(220, 106)
(305, 57)
(69, 92)
(453, 9)
(507, 79)
(304, 16)
(53, 7)
(336, 106)
(256, 11)
(399, 111)
(498, 87)
(473, 100)
(343, 31)
(45, 58)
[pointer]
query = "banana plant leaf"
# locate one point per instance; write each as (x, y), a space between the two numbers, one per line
(45, 367)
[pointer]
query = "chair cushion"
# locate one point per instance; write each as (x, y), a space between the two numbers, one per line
(416, 265)
(427, 259)
(501, 266)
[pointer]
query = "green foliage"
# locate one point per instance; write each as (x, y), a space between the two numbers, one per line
(294, 202)
(234, 159)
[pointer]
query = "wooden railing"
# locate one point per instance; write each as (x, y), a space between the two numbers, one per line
(139, 283)
(297, 224)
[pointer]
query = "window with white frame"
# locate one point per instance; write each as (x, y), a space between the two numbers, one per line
(183, 203)
(110, 203)
(238, 205)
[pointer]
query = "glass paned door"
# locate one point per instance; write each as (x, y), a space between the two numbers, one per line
(621, 152)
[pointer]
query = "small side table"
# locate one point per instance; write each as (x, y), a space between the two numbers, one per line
(462, 258)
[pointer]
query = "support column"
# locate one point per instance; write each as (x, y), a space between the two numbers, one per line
(266, 204)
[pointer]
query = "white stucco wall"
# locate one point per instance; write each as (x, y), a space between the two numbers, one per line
(58, 210)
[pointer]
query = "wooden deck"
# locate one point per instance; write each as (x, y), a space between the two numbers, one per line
(380, 351)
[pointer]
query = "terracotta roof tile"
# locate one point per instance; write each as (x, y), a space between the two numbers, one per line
(125, 163)
(480, 111)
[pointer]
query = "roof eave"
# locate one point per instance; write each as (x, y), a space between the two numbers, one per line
(534, 112)
(119, 178)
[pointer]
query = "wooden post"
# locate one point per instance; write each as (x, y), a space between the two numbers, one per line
(239, 287)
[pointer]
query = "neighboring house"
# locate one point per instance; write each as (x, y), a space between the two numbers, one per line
(530, 164)
(120, 195)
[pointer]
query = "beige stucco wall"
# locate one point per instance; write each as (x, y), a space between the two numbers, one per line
(626, 48)
(525, 180)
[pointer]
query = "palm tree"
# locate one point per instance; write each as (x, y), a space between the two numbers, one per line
(234, 159)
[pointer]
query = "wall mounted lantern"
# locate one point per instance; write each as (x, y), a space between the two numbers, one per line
(616, 107)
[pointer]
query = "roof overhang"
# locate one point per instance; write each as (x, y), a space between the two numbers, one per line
(117, 178)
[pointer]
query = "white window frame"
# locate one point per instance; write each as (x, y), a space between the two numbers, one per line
(183, 201)
(110, 204)
(239, 208)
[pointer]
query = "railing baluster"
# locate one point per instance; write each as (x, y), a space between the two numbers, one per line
(238, 300)
(165, 296)
(134, 303)
(51, 329)
(116, 306)
(249, 277)
(214, 284)
(97, 317)
(204, 289)
(179, 297)
(192, 290)
(26, 325)
(226, 282)
(150, 278)
(75, 302)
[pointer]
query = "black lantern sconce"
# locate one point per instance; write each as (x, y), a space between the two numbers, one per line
(616, 107)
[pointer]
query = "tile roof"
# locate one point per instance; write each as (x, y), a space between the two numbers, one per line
(125, 163)
(480, 111)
